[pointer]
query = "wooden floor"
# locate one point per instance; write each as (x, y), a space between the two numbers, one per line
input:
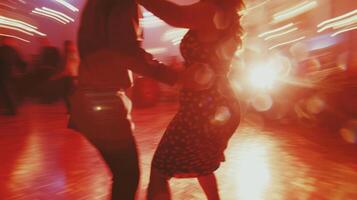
(42, 160)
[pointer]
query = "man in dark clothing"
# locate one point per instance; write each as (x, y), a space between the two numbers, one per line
(10, 60)
(109, 47)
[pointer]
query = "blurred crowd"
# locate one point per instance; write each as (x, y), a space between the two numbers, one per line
(48, 77)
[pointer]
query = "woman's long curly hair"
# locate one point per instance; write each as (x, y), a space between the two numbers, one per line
(232, 6)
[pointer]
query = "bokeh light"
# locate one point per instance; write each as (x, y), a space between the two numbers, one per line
(348, 131)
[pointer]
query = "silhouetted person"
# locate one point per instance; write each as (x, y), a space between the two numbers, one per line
(10, 60)
(49, 57)
(68, 76)
(48, 66)
(109, 46)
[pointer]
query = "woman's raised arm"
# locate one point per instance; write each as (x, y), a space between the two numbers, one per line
(195, 16)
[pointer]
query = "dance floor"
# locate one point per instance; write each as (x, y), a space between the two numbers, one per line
(42, 160)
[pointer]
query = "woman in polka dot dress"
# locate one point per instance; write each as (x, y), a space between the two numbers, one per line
(196, 138)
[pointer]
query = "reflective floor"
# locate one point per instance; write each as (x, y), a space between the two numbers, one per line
(40, 160)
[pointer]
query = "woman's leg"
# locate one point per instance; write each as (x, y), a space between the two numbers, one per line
(209, 186)
(159, 188)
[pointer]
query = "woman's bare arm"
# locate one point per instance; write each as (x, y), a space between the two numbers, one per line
(196, 16)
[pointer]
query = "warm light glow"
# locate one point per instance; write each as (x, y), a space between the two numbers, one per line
(222, 115)
(294, 11)
(253, 172)
(98, 108)
(7, 5)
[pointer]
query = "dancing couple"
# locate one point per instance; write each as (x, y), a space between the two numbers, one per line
(193, 144)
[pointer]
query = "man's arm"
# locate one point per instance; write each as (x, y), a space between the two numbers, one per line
(122, 37)
(145, 64)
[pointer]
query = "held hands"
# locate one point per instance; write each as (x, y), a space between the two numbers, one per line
(198, 76)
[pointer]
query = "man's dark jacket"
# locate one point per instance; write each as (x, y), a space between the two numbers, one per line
(113, 25)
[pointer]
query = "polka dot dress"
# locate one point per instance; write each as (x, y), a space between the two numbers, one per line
(196, 138)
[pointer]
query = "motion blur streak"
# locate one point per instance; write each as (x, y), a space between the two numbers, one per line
(281, 34)
(250, 8)
(58, 13)
(294, 11)
(9, 20)
(16, 29)
(343, 31)
(15, 37)
(7, 5)
(276, 30)
(58, 17)
(337, 18)
(20, 24)
(340, 24)
(288, 42)
(68, 5)
(49, 16)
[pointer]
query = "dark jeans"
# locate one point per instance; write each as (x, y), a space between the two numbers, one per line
(103, 118)
(5, 97)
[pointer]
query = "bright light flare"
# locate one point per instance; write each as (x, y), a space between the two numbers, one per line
(263, 77)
